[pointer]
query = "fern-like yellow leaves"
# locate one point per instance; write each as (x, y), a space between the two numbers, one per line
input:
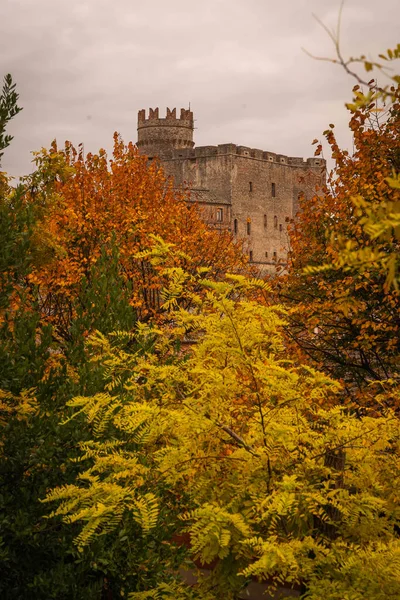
(269, 472)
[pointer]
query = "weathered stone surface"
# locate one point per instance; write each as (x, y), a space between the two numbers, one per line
(257, 191)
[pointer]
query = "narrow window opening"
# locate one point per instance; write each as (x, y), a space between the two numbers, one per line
(250, 186)
(273, 190)
(235, 226)
(265, 221)
(266, 255)
(220, 215)
(275, 222)
(280, 227)
(274, 255)
(248, 227)
(251, 255)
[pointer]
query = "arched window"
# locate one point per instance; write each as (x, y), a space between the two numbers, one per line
(220, 215)
(235, 226)
(276, 222)
(273, 190)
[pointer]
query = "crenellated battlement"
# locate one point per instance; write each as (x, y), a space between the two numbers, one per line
(255, 153)
(185, 118)
(171, 137)
(160, 136)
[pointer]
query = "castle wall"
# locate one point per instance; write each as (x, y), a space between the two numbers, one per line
(252, 192)
(208, 176)
(256, 191)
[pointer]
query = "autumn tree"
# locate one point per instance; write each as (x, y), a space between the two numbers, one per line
(345, 312)
(37, 376)
(126, 200)
(67, 270)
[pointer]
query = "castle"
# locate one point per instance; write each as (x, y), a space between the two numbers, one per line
(254, 193)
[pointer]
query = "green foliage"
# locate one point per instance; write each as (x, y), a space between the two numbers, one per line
(8, 109)
(102, 302)
(17, 221)
(38, 374)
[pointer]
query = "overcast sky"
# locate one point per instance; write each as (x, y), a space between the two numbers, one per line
(85, 67)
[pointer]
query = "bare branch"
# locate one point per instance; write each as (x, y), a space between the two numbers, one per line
(334, 35)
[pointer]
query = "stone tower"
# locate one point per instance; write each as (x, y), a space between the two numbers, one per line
(161, 136)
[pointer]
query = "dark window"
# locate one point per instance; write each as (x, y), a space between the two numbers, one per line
(276, 222)
(273, 190)
(248, 227)
(235, 226)
(220, 215)
(280, 227)
(251, 255)
(250, 186)
(266, 255)
(274, 256)
(265, 221)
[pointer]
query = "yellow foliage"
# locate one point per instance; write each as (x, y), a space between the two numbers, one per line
(275, 477)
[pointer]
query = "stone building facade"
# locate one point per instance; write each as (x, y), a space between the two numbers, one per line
(254, 193)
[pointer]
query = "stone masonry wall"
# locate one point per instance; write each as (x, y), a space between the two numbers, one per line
(252, 192)
(257, 196)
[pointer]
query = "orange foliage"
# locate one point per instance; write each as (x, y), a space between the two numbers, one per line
(124, 200)
(345, 320)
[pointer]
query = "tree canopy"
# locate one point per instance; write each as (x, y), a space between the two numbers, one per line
(164, 412)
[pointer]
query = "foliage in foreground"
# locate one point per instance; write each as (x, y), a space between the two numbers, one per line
(37, 376)
(196, 438)
(272, 477)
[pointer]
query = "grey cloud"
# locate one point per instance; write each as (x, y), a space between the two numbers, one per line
(84, 68)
